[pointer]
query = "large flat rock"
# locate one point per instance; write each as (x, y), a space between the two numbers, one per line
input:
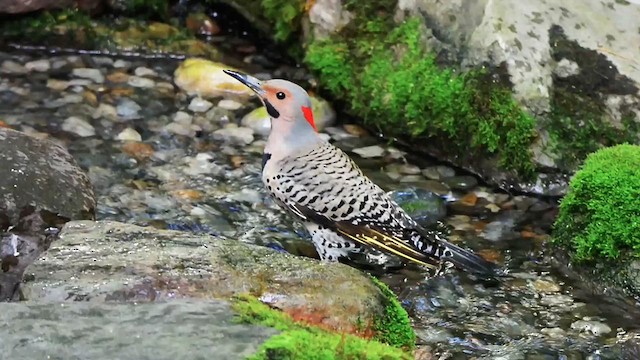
(116, 262)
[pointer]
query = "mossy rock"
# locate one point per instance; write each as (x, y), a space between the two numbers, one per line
(599, 219)
(303, 340)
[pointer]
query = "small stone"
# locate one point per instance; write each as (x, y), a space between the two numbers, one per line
(78, 126)
(105, 111)
(138, 150)
(370, 151)
(90, 98)
(557, 300)
(198, 211)
(355, 130)
(229, 104)
(338, 133)
(597, 328)
(411, 179)
(406, 169)
(129, 134)
(12, 67)
(565, 68)
(546, 286)
(121, 64)
(463, 183)
(144, 71)
(38, 65)
(141, 82)
(257, 120)
(118, 77)
(205, 78)
(87, 73)
(554, 333)
(493, 208)
(460, 223)
(57, 85)
(438, 172)
(187, 194)
(237, 135)
(182, 117)
(469, 200)
(435, 186)
(250, 196)
(179, 129)
(128, 109)
(103, 61)
(199, 105)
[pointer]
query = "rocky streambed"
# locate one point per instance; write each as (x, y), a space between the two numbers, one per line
(182, 218)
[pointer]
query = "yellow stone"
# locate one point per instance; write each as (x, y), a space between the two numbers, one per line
(197, 76)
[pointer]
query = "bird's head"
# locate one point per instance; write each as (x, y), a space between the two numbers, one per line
(287, 104)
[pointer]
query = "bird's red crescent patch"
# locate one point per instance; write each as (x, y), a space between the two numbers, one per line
(308, 115)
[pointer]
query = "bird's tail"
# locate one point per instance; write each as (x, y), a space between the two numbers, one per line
(468, 261)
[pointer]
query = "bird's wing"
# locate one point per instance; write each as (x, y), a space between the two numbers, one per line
(325, 186)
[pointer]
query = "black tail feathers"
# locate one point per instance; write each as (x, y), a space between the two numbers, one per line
(470, 262)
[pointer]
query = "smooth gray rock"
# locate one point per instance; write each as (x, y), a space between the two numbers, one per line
(153, 331)
(39, 175)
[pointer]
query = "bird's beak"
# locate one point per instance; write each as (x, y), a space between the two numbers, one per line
(251, 82)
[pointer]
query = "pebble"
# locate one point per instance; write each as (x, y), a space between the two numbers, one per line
(12, 67)
(202, 164)
(42, 65)
(438, 172)
(229, 104)
(370, 151)
(546, 286)
(87, 73)
(596, 328)
(129, 134)
(78, 126)
(141, 82)
(460, 222)
(355, 130)
(179, 129)
(138, 150)
(233, 134)
(199, 105)
(250, 196)
(105, 111)
(182, 117)
(128, 109)
(144, 71)
(258, 121)
(121, 64)
(338, 133)
(554, 333)
(463, 183)
(556, 300)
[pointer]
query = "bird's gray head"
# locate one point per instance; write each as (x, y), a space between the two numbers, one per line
(288, 105)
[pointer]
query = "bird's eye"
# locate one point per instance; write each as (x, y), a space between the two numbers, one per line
(280, 95)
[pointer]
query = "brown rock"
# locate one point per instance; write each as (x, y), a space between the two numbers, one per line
(138, 150)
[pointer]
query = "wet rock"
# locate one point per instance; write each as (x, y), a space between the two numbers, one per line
(41, 65)
(88, 73)
(116, 262)
(596, 328)
(234, 134)
(78, 126)
(463, 183)
(129, 134)
(370, 151)
(144, 71)
(438, 172)
(162, 331)
(422, 205)
(128, 109)
(12, 67)
(229, 104)
(141, 82)
(199, 105)
(41, 187)
(205, 78)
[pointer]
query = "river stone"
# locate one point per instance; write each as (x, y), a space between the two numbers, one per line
(117, 262)
(39, 175)
(205, 78)
(159, 331)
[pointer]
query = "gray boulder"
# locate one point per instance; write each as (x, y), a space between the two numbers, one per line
(41, 187)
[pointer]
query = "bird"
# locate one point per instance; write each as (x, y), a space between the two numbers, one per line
(342, 209)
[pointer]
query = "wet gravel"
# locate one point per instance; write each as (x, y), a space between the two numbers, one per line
(158, 157)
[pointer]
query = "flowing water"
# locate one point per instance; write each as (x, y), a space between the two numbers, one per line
(181, 176)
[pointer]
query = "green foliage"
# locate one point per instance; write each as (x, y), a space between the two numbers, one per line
(39, 26)
(395, 327)
(284, 15)
(298, 341)
(146, 8)
(392, 82)
(600, 215)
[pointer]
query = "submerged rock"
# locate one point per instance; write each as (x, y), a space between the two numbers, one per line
(205, 78)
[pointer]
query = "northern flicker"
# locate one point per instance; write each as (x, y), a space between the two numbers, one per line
(321, 186)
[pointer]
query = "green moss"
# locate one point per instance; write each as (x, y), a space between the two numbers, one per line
(395, 327)
(285, 16)
(577, 127)
(600, 215)
(75, 29)
(298, 341)
(387, 78)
